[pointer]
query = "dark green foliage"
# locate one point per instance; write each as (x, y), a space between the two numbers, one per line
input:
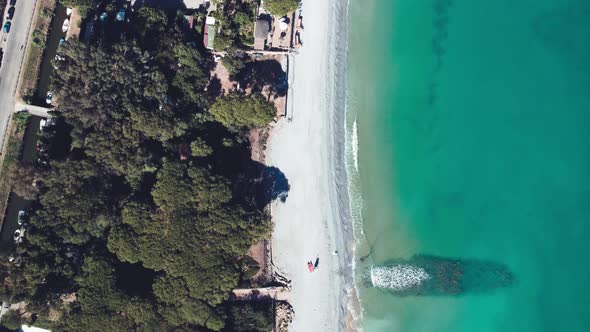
(190, 79)
(222, 42)
(82, 5)
(121, 196)
(241, 112)
(3, 4)
(252, 317)
(194, 312)
(243, 22)
(121, 79)
(12, 320)
(21, 177)
(237, 24)
(249, 267)
(281, 7)
(20, 120)
(39, 38)
(173, 190)
(76, 202)
(149, 21)
(200, 148)
(97, 293)
(77, 3)
(169, 289)
(234, 62)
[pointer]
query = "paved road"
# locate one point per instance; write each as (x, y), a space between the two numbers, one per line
(33, 110)
(13, 44)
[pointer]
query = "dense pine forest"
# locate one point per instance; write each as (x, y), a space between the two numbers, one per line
(143, 215)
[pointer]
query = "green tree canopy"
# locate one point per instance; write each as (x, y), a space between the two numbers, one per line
(234, 62)
(121, 197)
(281, 7)
(251, 317)
(82, 5)
(241, 112)
(149, 21)
(24, 179)
(200, 148)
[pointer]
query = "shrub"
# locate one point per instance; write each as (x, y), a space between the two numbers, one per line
(20, 120)
(281, 7)
(252, 316)
(241, 112)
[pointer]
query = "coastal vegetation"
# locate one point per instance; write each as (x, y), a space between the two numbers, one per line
(236, 111)
(237, 24)
(82, 5)
(281, 7)
(145, 211)
(252, 317)
(36, 48)
(12, 152)
(2, 7)
(234, 61)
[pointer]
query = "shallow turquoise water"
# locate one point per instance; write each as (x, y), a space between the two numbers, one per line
(474, 122)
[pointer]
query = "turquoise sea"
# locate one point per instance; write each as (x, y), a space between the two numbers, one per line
(473, 121)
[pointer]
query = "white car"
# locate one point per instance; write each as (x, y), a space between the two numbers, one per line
(18, 235)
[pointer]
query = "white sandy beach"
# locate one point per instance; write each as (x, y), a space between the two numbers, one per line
(314, 221)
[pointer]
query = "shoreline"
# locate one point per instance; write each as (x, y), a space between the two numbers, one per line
(315, 220)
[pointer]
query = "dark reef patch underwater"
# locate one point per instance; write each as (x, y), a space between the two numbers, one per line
(426, 275)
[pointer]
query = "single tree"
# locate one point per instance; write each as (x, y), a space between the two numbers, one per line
(24, 179)
(281, 7)
(200, 148)
(237, 111)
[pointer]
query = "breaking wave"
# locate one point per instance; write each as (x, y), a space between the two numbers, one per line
(426, 275)
(355, 146)
(398, 277)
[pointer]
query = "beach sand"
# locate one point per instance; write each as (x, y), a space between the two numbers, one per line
(308, 147)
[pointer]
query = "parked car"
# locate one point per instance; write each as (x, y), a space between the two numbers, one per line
(21, 217)
(19, 234)
(10, 13)
(6, 28)
(12, 2)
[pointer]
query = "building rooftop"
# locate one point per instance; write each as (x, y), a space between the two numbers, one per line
(261, 31)
(209, 32)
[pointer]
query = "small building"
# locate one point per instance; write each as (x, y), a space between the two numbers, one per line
(261, 31)
(189, 19)
(209, 32)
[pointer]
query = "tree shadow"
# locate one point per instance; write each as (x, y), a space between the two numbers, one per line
(164, 4)
(214, 88)
(445, 276)
(258, 74)
(261, 184)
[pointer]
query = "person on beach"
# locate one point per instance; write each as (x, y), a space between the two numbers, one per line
(310, 266)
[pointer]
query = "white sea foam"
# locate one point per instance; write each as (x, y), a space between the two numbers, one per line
(355, 201)
(398, 277)
(355, 146)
